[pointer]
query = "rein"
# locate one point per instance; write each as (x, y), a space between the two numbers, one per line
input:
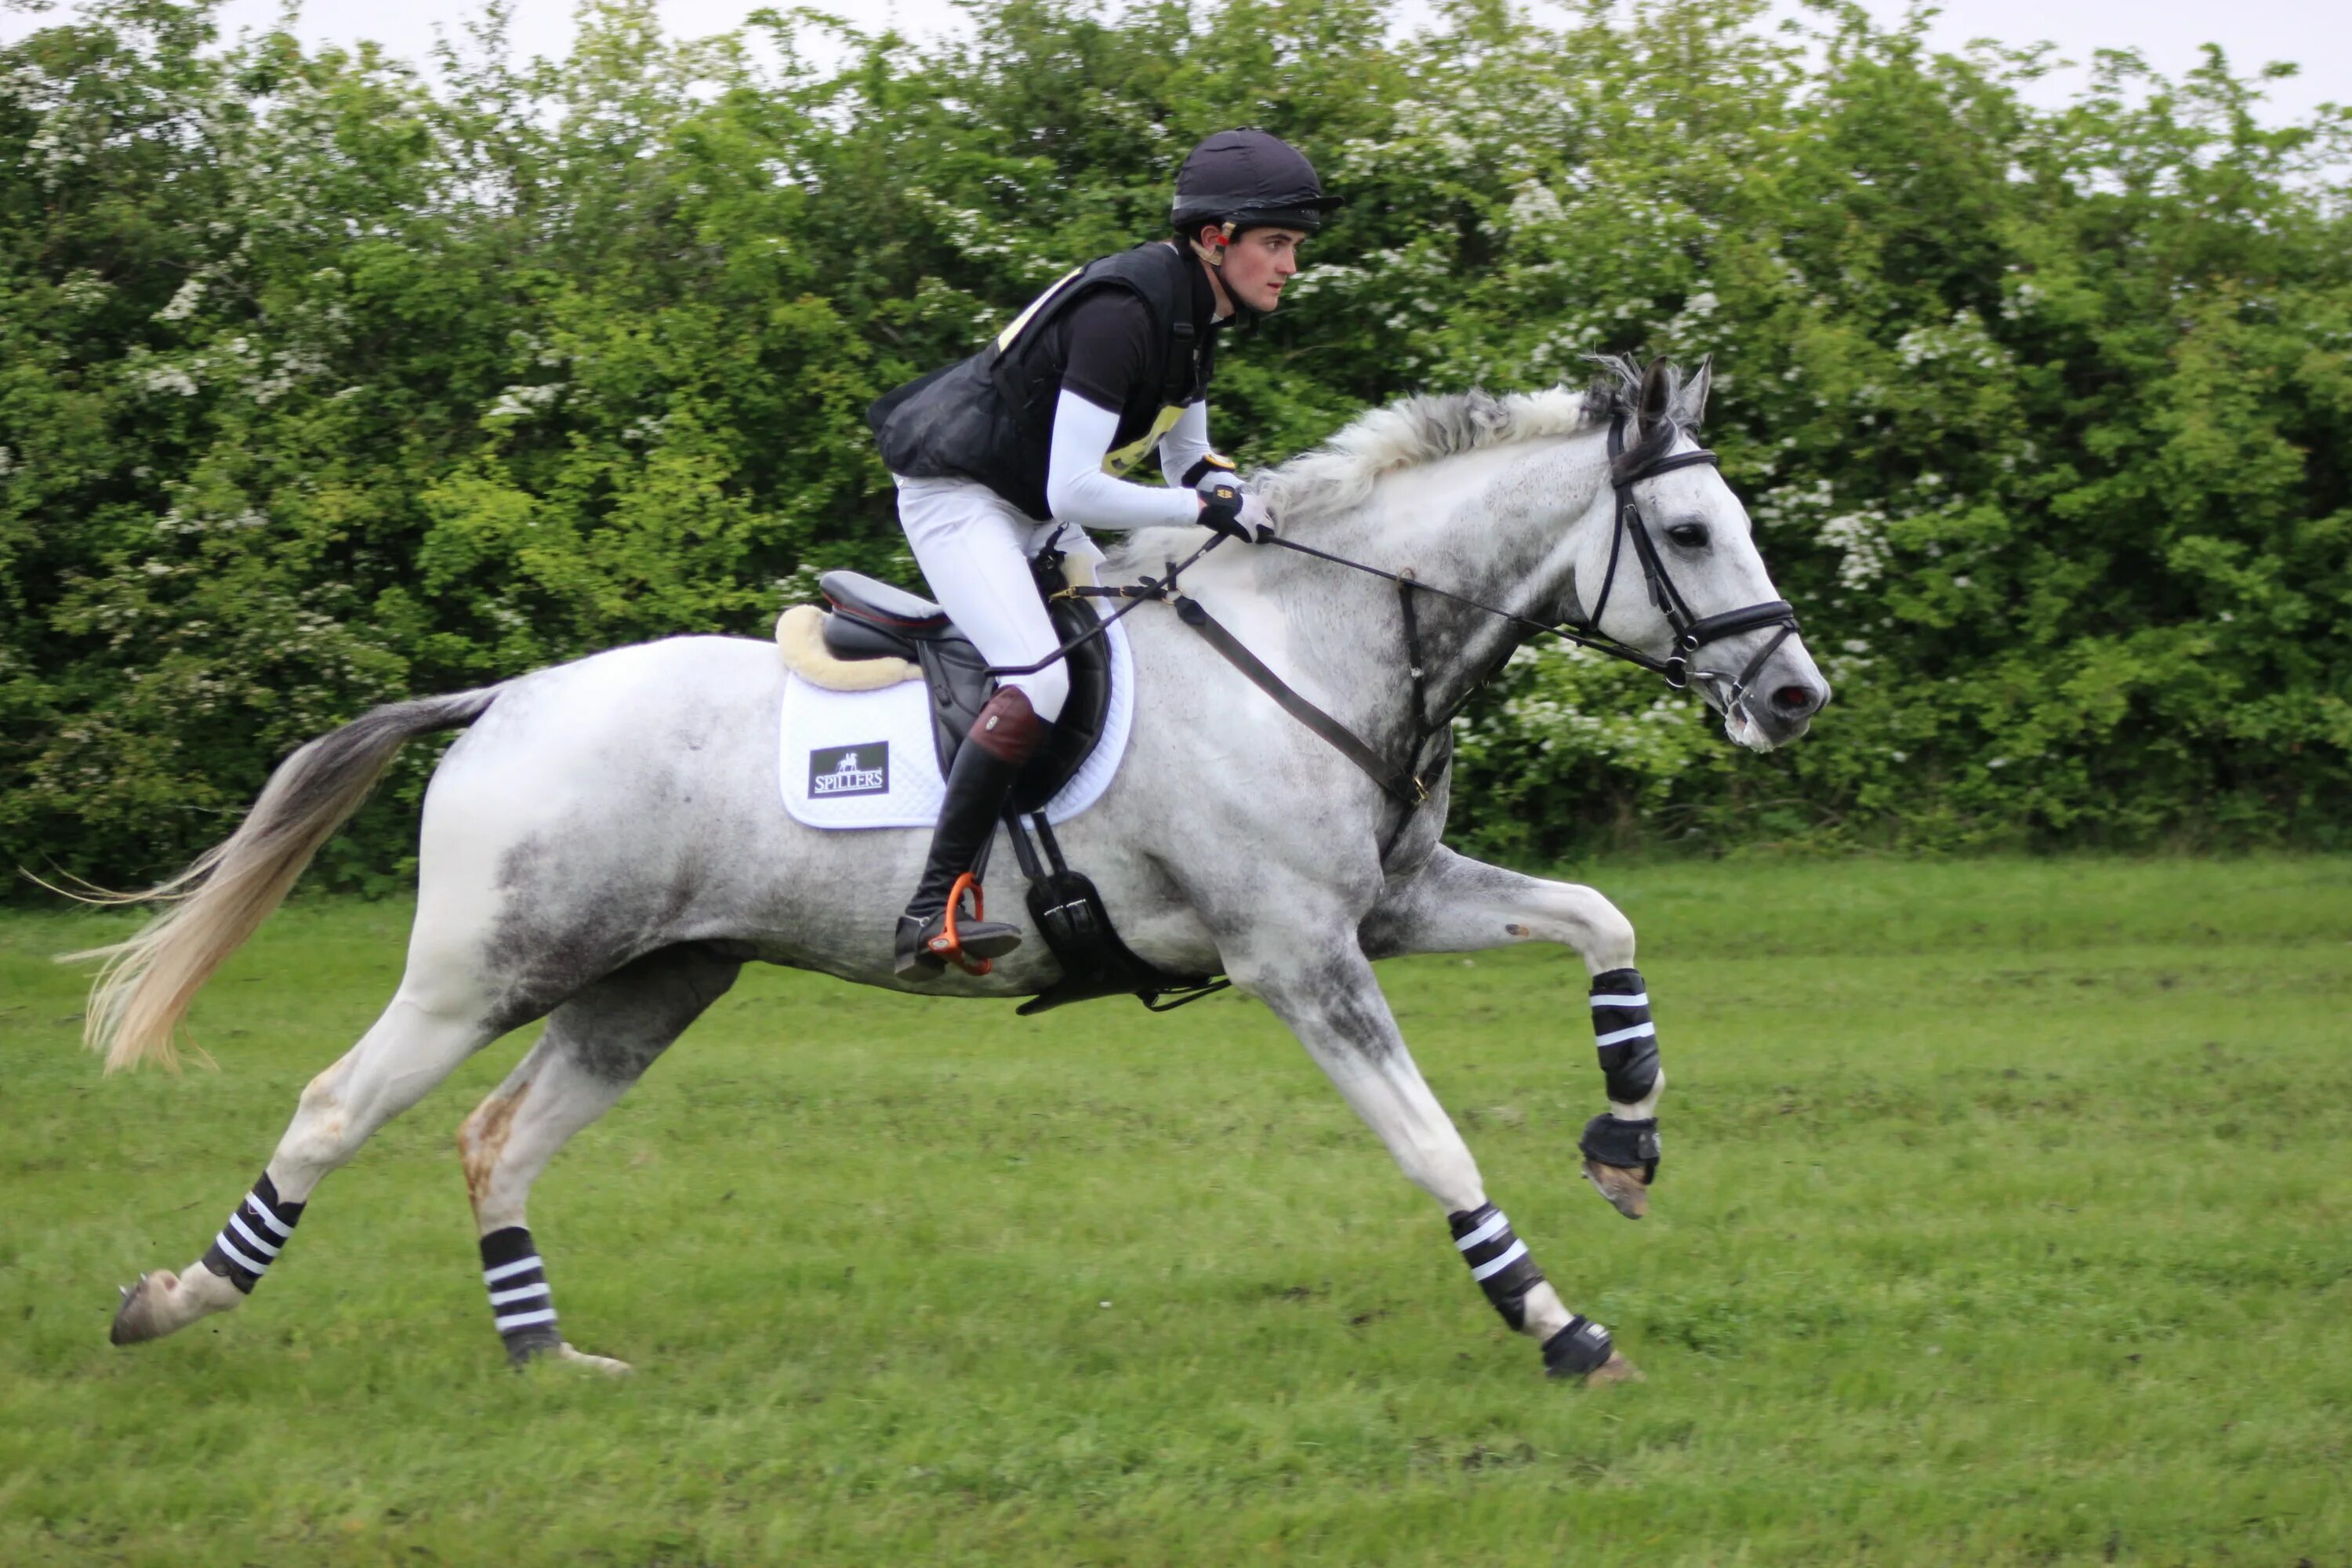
(1404, 783)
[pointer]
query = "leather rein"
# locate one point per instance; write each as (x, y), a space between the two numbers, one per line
(1404, 783)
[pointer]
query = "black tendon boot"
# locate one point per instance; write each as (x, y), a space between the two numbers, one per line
(1001, 741)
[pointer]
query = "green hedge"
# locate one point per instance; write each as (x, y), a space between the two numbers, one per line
(323, 380)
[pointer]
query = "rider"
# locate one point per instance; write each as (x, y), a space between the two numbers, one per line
(1019, 447)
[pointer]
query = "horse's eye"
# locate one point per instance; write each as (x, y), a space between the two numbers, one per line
(1689, 535)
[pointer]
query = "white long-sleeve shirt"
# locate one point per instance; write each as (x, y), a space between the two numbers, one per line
(1078, 490)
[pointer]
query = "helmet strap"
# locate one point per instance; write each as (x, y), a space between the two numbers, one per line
(1214, 253)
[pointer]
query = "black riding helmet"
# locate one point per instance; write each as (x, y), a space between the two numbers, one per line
(1248, 179)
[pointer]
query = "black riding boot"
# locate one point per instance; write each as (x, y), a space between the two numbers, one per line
(1001, 741)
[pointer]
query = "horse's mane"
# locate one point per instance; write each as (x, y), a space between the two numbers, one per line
(1338, 476)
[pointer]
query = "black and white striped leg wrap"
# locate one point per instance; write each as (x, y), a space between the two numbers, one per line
(257, 1230)
(1579, 1348)
(1498, 1260)
(521, 1306)
(1623, 1029)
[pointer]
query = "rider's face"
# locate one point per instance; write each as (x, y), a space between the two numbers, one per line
(1259, 263)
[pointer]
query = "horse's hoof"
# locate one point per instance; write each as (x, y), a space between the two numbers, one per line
(1623, 1187)
(603, 1364)
(140, 1316)
(1616, 1369)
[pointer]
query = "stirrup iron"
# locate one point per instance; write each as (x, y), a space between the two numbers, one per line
(947, 946)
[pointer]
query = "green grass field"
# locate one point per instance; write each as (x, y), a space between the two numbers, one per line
(2007, 1217)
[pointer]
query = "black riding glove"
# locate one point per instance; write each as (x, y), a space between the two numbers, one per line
(1226, 508)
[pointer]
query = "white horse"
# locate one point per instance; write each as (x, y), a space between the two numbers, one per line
(604, 847)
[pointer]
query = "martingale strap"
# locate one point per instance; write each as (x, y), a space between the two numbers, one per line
(1399, 784)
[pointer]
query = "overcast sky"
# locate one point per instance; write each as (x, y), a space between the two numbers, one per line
(2315, 34)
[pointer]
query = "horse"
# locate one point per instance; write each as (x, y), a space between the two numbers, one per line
(604, 848)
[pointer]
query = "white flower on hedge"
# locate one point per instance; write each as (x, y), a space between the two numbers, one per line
(1963, 338)
(1537, 206)
(522, 401)
(183, 303)
(1332, 275)
(168, 378)
(294, 365)
(83, 289)
(1862, 536)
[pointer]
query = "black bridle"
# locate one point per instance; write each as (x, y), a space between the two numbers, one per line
(1691, 633)
(1405, 784)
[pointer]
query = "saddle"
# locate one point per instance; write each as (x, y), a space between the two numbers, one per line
(871, 619)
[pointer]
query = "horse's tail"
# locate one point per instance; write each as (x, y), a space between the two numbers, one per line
(148, 982)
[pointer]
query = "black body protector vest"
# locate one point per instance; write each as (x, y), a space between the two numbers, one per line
(991, 418)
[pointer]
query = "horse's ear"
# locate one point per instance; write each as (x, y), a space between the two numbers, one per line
(1690, 403)
(1657, 395)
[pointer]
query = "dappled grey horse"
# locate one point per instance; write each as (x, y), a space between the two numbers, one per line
(604, 847)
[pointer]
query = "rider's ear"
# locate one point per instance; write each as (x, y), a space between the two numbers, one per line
(1690, 405)
(1657, 395)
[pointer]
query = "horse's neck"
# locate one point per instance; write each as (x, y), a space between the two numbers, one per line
(1499, 526)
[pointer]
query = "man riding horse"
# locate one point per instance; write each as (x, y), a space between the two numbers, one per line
(1018, 448)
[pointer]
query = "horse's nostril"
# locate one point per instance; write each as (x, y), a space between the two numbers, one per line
(1793, 699)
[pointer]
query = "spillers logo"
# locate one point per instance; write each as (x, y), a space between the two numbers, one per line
(850, 770)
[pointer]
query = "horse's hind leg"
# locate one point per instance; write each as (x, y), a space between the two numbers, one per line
(430, 1027)
(596, 1045)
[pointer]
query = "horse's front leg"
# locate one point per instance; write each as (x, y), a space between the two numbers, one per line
(1454, 904)
(1327, 993)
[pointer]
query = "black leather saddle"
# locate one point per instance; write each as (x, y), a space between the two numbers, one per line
(871, 619)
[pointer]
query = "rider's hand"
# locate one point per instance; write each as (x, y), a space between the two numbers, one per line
(1231, 511)
(1255, 517)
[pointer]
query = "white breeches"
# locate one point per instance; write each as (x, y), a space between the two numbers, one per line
(974, 547)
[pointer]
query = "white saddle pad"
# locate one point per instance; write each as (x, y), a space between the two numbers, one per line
(865, 758)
